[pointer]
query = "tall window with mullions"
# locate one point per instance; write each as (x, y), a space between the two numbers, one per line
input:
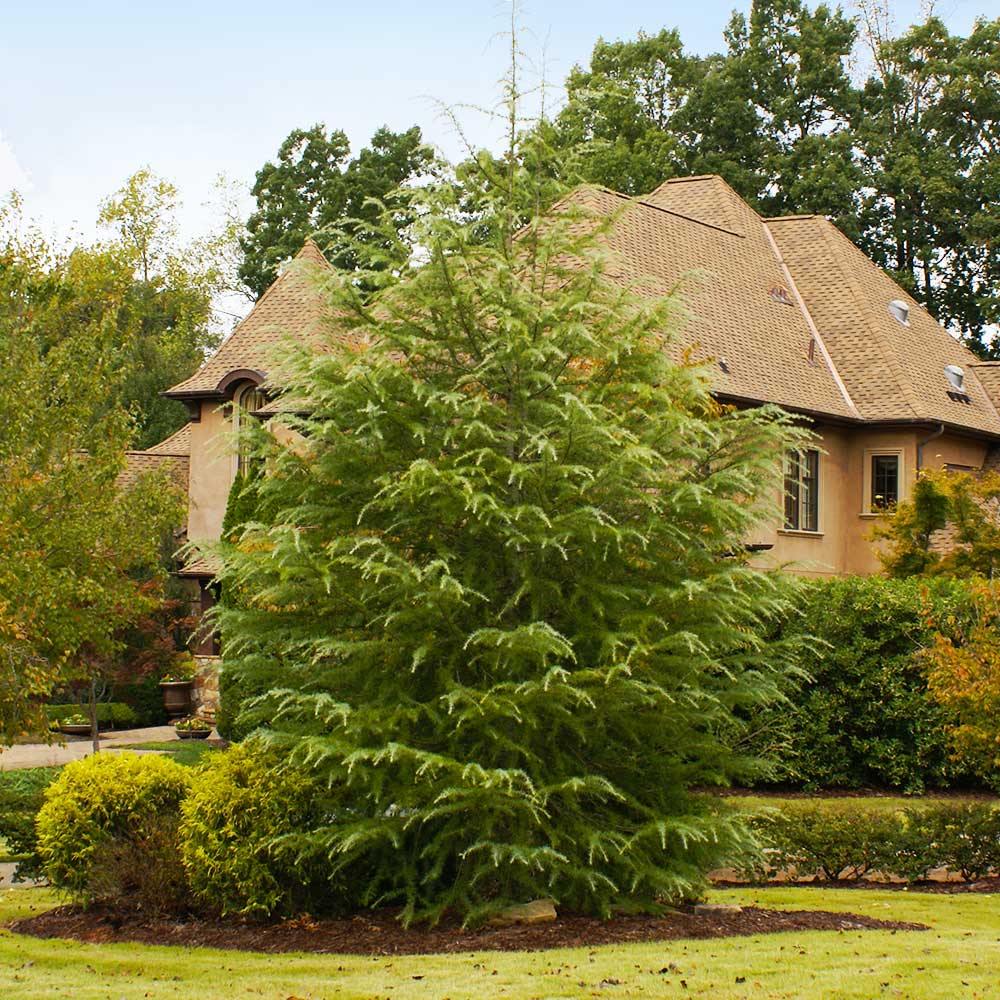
(802, 490)
(885, 482)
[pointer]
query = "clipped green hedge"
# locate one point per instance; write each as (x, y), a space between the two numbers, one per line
(145, 698)
(115, 714)
(864, 718)
(847, 839)
(22, 794)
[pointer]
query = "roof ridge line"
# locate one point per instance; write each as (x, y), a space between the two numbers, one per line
(690, 177)
(888, 357)
(810, 322)
(659, 208)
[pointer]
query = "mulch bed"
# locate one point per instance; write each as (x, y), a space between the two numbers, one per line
(378, 933)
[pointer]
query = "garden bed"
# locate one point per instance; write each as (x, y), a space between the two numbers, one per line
(379, 933)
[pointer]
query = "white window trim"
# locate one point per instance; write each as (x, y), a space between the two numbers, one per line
(904, 493)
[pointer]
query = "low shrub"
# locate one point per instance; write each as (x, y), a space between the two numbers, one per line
(846, 839)
(22, 794)
(115, 714)
(239, 839)
(106, 824)
(840, 841)
(966, 838)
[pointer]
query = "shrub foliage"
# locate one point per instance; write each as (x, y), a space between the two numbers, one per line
(864, 717)
(22, 794)
(107, 823)
(847, 839)
(241, 840)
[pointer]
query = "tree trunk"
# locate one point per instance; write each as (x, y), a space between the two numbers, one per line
(92, 708)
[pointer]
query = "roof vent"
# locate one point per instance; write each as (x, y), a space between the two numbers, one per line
(956, 377)
(724, 365)
(781, 295)
(900, 311)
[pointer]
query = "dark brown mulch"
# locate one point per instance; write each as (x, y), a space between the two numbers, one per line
(378, 933)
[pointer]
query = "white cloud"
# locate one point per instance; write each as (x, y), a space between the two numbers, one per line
(12, 175)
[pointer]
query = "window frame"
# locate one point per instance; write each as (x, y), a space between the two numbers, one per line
(804, 499)
(238, 409)
(871, 454)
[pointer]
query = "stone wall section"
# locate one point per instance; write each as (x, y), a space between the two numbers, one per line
(205, 696)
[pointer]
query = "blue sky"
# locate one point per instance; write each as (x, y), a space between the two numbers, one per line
(92, 89)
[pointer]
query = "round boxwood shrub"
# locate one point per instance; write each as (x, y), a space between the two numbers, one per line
(239, 838)
(110, 810)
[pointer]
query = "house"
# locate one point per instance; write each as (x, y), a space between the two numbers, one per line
(784, 310)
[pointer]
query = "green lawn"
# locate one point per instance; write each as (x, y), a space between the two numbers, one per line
(958, 957)
(188, 752)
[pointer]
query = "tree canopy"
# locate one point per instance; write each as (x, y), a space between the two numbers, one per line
(315, 190)
(71, 540)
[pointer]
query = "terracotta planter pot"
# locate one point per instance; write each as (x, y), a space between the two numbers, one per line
(76, 730)
(177, 697)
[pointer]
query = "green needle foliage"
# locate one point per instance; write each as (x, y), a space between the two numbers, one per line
(503, 577)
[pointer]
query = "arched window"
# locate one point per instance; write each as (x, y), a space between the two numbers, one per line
(247, 399)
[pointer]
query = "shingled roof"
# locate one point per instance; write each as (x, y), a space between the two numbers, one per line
(179, 443)
(141, 463)
(172, 455)
(744, 316)
(784, 310)
(893, 372)
(293, 304)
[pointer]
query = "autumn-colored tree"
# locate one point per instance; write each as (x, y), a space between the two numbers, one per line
(964, 677)
(950, 526)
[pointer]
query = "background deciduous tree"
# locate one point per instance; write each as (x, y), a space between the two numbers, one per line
(964, 677)
(950, 526)
(70, 539)
(314, 189)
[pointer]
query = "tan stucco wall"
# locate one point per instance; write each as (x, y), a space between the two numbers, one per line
(843, 544)
(950, 449)
(212, 468)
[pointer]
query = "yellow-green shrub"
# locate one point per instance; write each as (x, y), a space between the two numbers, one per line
(100, 804)
(238, 836)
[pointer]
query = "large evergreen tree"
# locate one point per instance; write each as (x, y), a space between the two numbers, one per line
(503, 578)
